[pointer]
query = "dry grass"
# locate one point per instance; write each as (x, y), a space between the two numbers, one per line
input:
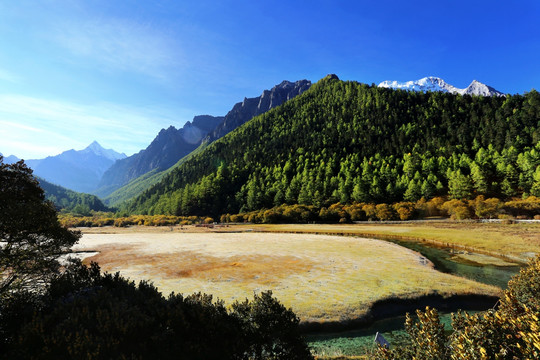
(518, 242)
(322, 277)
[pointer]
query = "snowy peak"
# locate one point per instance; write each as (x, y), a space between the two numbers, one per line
(430, 83)
(477, 88)
(433, 83)
(98, 150)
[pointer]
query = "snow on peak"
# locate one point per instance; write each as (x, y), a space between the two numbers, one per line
(97, 149)
(433, 83)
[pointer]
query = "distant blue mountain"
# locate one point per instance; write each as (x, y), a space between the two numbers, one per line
(79, 170)
(10, 159)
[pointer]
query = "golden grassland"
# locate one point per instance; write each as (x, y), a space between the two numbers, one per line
(516, 242)
(324, 278)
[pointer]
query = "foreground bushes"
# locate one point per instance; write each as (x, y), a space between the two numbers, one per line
(88, 315)
(510, 332)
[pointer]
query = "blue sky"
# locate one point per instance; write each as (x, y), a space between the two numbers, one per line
(74, 71)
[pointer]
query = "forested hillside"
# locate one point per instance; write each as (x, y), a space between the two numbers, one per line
(346, 141)
(71, 201)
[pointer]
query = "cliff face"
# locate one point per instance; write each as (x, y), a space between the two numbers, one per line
(251, 107)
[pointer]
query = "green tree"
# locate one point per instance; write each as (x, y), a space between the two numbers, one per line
(535, 188)
(459, 185)
(31, 237)
(414, 191)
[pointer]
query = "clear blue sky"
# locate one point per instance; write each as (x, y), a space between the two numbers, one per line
(74, 71)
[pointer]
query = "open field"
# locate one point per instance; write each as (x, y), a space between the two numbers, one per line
(323, 278)
(516, 242)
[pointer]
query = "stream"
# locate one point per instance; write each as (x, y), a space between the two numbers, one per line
(461, 263)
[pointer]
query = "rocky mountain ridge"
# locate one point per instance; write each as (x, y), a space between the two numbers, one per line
(251, 107)
(169, 146)
(172, 144)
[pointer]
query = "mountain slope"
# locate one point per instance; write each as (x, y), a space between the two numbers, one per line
(341, 141)
(67, 200)
(437, 84)
(166, 149)
(76, 170)
(124, 173)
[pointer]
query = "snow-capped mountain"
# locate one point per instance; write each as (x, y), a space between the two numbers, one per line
(98, 150)
(79, 170)
(432, 83)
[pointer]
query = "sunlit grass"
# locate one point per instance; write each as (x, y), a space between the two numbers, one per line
(323, 278)
(515, 241)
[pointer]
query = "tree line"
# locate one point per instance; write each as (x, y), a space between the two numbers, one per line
(69, 201)
(457, 209)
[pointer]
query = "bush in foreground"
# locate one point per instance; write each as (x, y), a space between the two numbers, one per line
(510, 332)
(88, 315)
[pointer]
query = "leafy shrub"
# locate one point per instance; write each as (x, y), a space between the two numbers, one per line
(384, 212)
(457, 209)
(405, 210)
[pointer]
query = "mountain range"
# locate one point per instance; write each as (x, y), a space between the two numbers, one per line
(343, 141)
(10, 159)
(78, 170)
(171, 144)
(432, 83)
(117, 178)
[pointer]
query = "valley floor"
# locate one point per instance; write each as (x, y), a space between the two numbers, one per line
(326, 279)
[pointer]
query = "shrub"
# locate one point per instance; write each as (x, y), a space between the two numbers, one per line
(370, 211)
(87, 315)
(510, 332)
(270, 217)
(458, 209)
(237, 218)
(355, 212)
(384, 212)
(486, 208)
(529, 206)
(405, 210)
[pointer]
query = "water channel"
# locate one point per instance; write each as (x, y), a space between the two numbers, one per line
(355, 342)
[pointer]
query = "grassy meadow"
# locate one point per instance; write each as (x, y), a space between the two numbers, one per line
(516, 242)
(324, 278)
